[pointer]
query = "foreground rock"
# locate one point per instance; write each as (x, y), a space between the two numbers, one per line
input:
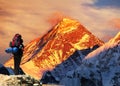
(18, 80)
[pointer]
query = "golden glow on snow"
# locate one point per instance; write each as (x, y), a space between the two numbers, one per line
(67, 27)
(80, 45)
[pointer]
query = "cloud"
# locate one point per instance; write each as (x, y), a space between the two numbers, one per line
(115, 23)
(107, 37)
(2, 33)
(107, 3)
(4, 12)
(55, 18)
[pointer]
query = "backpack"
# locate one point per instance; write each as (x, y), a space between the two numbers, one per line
(16, 41)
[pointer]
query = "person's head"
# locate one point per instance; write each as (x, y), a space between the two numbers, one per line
(18, 35)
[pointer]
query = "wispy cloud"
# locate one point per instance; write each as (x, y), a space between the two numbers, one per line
(115, 23)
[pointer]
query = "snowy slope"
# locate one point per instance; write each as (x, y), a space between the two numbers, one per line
(3, 70)
(99, 68)
(116, 38)
(6, 70)
(74, 61)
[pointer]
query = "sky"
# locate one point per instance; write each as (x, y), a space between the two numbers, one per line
(32, 18)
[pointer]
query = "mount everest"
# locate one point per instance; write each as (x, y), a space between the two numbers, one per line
(73, 56)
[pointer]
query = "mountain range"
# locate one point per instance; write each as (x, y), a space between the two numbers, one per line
(100, 67)
(69, 51)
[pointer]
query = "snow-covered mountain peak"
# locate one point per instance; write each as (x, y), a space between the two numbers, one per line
(104, 48)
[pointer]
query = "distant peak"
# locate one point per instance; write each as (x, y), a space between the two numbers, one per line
(116, 38)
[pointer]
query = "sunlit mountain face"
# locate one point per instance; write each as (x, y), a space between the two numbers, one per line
(56, 46)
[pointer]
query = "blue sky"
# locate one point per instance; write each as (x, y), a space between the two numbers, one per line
(29, 18)
(107, 3)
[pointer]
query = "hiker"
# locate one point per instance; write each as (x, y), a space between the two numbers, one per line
(16, 48)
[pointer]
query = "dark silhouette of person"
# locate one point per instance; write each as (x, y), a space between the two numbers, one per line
(16, 48)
